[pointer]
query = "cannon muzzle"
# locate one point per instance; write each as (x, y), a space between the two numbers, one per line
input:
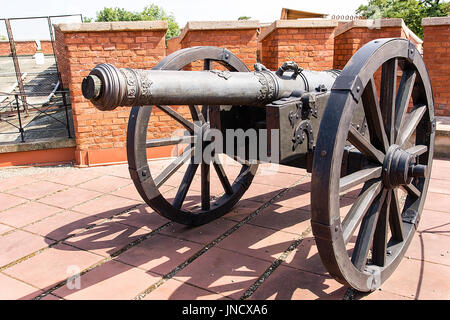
(108, 87)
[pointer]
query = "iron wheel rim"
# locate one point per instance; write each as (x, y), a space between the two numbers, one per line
(136, 147)
(329, 229)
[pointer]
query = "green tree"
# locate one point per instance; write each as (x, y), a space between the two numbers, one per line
(244, 18)
(149, 13)
(411, 11)
(116, 14)
(2, 37)
(154, 12)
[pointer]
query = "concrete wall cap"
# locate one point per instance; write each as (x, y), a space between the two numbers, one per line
(377, 24)
(370, 24)
(219, 25)
(40, 144)
(25, 40)
(436, 21)
(112, 26)
(300, 23)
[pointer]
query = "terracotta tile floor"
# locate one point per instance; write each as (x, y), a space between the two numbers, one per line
(92, 222)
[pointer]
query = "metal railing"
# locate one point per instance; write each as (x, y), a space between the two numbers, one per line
(12, 43)
(17, 107)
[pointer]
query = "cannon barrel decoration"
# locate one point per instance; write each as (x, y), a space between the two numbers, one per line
(366, 133)
(109, 87)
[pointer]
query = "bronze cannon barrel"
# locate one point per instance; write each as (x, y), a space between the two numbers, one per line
(109, 87)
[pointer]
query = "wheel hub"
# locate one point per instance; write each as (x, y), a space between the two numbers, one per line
(399, 168)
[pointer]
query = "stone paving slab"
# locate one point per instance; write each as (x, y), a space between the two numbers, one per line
(57, 222)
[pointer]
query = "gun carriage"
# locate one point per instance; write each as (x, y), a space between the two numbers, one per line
(368, 129)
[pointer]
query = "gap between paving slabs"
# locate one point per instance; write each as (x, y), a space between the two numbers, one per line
(54, 243)
(193, 257)
(172, 273)
(350, 294)
(213, 243)
(66, 187)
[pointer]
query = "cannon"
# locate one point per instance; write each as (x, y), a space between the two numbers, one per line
(366, 133)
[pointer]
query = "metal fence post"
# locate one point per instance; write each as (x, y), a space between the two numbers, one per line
(12, 45)
(20, 119)
(67, 113)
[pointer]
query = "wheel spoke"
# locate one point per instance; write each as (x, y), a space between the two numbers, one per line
(366, 232)
(246, 169)
(374, 117)
(363, 145)
(403, 97)
(169, 206)
(178, 117)
(410, 125)
(395, 218)
(223, 178)
(359, 209)
(387, 96)
(381, 233)
(196, 114)
(205, 186)
(207, 64)
(359, 177)
(185, 184)
(412, 190)
(417, 150)
(173, 167)
(169, 141)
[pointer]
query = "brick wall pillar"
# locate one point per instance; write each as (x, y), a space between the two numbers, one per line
(351, 36)
(436, 53)
(240, 37)
(25, 47)
(101, 136)
(173, 44)
(307, 42)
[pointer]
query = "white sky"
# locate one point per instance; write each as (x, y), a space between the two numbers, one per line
(193, 10)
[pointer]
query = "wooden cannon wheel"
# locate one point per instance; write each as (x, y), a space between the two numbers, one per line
(149, 185)
(363, 247)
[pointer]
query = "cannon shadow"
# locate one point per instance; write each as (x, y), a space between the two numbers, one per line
(175, 255)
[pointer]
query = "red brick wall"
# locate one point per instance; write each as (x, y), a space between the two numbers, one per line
(347, 43)
(310, 48)
(61, 58)
(436, 53)
(307, 42)
(173, 45)
(101, 136)
(46, 47)
(4, 48)
(25, 47)
(241, 42)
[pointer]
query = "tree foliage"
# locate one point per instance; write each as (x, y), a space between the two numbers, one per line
(244, 18)
(149, 13)
(411, 11)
